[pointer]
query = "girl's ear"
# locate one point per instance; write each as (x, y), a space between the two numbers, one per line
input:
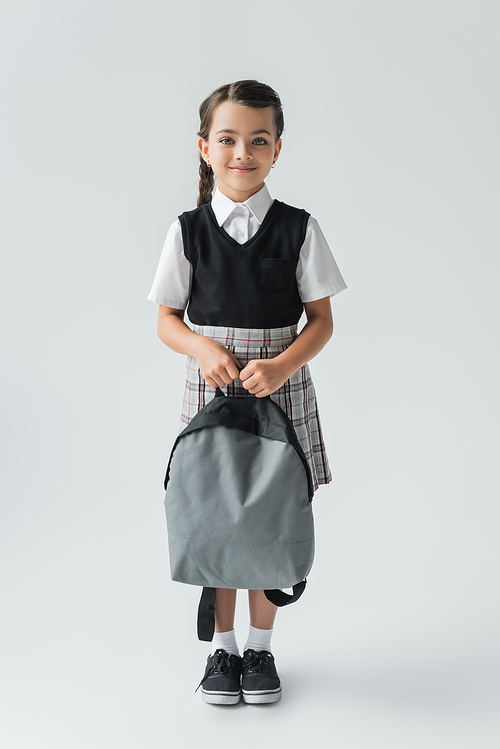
(203, 146)
(277, 149)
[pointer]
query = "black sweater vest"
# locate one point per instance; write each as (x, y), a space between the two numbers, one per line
(250, 285)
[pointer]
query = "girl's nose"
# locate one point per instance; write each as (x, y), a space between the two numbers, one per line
(242, 151)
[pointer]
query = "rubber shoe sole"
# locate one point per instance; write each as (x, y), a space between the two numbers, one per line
(263, 696)
(220, 698)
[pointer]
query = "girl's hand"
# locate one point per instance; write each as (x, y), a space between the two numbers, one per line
(262, 377)
(218, 366)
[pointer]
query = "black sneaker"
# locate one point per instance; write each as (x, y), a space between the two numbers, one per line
(221, 682)
(260, 681)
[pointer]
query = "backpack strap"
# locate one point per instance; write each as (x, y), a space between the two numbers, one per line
(219, 393)
(206, 615)
(206, 607)
(279, 598)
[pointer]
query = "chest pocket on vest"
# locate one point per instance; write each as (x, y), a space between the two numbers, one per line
(276, 273)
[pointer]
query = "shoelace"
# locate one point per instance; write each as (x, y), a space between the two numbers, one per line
(257, 661)
(223, 661)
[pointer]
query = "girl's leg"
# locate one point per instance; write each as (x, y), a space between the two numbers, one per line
(260, 682)
(221, 683)
(262, 615)
(225, 604)
(262, 611)
(224, 635)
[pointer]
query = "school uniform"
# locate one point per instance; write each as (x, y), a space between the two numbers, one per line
(244, 272)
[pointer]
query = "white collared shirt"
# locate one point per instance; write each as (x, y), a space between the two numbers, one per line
(317, 272)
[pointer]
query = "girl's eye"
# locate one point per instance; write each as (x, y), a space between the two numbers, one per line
(258, 141)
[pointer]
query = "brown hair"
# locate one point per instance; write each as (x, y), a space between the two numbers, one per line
(247, 94)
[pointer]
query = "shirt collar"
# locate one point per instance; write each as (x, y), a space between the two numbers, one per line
(258, 205)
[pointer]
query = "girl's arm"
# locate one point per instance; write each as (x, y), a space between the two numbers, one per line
(218, 365)
(263, 376)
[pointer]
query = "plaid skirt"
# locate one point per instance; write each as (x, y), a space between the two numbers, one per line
(296, 396)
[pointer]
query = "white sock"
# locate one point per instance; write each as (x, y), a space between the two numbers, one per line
(226, 641)
(258, 639)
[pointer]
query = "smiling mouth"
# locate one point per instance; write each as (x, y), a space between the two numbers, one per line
(243, 168)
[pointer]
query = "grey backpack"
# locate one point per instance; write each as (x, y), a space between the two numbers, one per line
(238, 491)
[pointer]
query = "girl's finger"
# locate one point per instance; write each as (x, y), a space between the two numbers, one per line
(233, 370)
(221, 381)
(210, 382)
(236, 360)
(250, 383)
(215, 381)
(246, 372)
(226, 376)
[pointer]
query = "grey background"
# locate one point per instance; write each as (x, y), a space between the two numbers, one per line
(391, 142)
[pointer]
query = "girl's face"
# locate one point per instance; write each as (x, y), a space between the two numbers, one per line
(241, 148)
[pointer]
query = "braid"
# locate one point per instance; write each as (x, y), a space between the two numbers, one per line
(206, 183)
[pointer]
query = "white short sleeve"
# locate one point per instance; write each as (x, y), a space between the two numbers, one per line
(172, 282)
(317, 273)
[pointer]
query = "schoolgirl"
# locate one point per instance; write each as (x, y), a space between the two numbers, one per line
(246, 266)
